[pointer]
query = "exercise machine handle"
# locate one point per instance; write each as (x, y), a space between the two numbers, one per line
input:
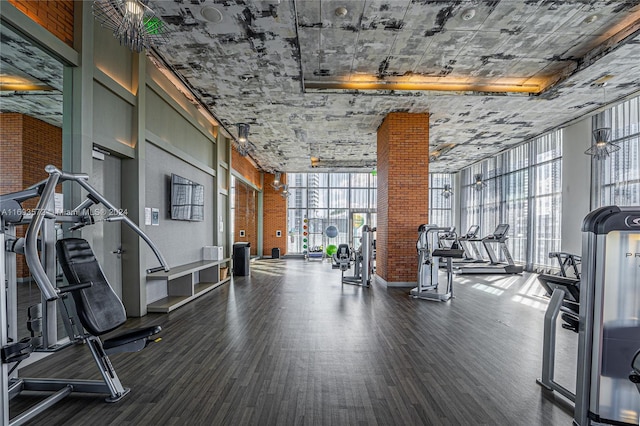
(82, 179)
(56, 176)
(31, 238)
(121, 217)
(157, 269)
(74, 287)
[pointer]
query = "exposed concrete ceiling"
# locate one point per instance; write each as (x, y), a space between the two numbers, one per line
(491, 73)
(314, 80)
(30, 79)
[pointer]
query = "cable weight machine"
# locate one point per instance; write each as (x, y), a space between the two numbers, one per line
(429, 262)
(362, 260)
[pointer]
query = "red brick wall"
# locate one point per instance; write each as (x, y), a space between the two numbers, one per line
(43, 146)
(403, 188)
(275, 217)
(56, 16)
(11, 154)
(246, 215)
(245, 167)
(246, 201)
(28, 145)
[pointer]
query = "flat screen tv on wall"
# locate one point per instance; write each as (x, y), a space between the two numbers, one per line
(187, 199)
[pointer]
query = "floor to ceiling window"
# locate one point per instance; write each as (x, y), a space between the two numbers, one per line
(546, 202)
(520, 187)
(618, 179)
(515, 202)
(470, 197)
(347, 201)
(440, 201)
(318, 200)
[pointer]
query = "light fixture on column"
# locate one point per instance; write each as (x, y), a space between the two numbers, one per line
(447, 192)
(243, 132)
(243, 139)
(285, 191)
(133, 23)
(276, 181)
(478, 183)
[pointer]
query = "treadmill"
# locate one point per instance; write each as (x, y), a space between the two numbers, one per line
(447, 238)
(498, 237)
(468, 243)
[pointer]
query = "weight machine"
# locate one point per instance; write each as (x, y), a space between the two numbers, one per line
(362, 259)
(608, 323)
(428, 264)
(98, 308)
(609, 331)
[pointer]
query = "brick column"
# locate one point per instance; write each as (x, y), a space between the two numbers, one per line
(274, 217)
(28, 145)
(403, 194)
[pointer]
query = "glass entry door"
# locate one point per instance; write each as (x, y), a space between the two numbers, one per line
(358, 219)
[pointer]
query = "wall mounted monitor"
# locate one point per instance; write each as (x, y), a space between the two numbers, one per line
(187, 199)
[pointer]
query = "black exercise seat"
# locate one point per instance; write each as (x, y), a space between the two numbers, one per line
(342, 258)
(99, 308)
(131, 341)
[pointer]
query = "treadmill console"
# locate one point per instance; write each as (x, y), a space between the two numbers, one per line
(501, 230)
(473, 231)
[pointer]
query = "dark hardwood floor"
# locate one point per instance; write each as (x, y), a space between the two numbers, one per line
(289, 345)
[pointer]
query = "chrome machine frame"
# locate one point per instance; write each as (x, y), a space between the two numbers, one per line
(609, 332)
(564, 291)
(428, 265)
(363, 260)
(40, 236)
(561, 288)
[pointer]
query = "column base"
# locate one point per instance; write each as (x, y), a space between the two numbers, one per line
(393, 284)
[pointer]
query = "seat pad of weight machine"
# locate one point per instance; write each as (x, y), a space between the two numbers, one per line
(99, 308)
(131, 336)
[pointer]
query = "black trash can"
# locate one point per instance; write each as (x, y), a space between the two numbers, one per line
(275, 253)
(241, 258)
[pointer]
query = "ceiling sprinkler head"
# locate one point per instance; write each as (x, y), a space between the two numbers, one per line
(211, 14)
(590, 19)
(468, 14)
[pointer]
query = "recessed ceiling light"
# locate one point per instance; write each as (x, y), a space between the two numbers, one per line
(468, 14)
(341, 11)
(211, 14)
(590, 19)
(602, 81)
(14, 79)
